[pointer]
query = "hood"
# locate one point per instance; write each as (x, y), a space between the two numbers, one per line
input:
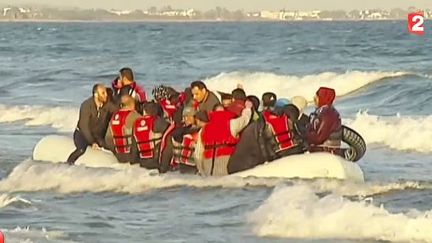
(326, 96)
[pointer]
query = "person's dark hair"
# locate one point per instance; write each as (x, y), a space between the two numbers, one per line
(225, 96)
(269, 99)
(238, 94)
(199, 84)
(95, 88)
(189, 96)
(292, 111)
(128, 73)
(110, 93)
(255, 101)
(151, 108)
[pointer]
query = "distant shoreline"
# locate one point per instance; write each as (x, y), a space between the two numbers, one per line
(188, 21)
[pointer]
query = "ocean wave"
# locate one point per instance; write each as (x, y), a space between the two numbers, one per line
(62, 118)
(297, 212)
(29, 235)
(6, 200)
(401, 133)
(289, 86)
(62, 178)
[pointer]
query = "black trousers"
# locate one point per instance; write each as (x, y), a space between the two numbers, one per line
(81, 146)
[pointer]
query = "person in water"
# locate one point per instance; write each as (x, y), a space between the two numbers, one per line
(125, 85)
(205, 100)
(147, 136)
(92, 124)
(185, 138)
(324, 132)
(120, 132)
(218, 139)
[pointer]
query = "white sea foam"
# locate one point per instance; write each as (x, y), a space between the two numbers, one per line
(61, 118)
(397, 132)
(63, 179)
(289, 86)
(297, 212)
(28, 235)
(6, 199)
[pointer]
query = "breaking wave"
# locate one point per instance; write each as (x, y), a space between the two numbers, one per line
(63, 179)
(297, 212)
(289, 86)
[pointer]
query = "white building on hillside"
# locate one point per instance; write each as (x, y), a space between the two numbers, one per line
(5, 11)
(120, 12)
(270, 14)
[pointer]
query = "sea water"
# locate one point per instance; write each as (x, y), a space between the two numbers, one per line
(382, 76)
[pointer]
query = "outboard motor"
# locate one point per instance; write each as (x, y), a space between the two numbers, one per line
(357, 145)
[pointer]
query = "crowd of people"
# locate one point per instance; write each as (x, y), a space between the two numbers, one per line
(195, 132)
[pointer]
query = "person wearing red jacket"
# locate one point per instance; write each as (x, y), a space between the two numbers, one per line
(217, 140)
(324, 132)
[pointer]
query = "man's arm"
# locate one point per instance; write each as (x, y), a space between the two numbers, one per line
(238, 124)
(84, 123)
(322, 132)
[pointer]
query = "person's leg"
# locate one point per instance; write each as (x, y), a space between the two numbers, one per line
(81, 147)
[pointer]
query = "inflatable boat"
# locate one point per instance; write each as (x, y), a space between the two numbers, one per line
(56, 149)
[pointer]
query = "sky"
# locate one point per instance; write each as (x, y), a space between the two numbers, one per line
(247, 5)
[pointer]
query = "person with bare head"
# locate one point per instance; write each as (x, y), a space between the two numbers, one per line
(119, 134)
(92, 123)
(226, 99)
(125, 84)
(205, 100)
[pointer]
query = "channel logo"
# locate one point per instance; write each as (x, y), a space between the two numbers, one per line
(416, 23)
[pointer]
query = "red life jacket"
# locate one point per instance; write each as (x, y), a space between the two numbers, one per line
(143, 132)
(280, 129)
(168, 108)
(184, 151)
(120, 138)
(216, 136)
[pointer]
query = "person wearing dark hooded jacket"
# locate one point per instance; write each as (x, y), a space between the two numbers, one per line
(324, 132)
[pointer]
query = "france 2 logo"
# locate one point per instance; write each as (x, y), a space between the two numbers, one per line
(416, 23)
